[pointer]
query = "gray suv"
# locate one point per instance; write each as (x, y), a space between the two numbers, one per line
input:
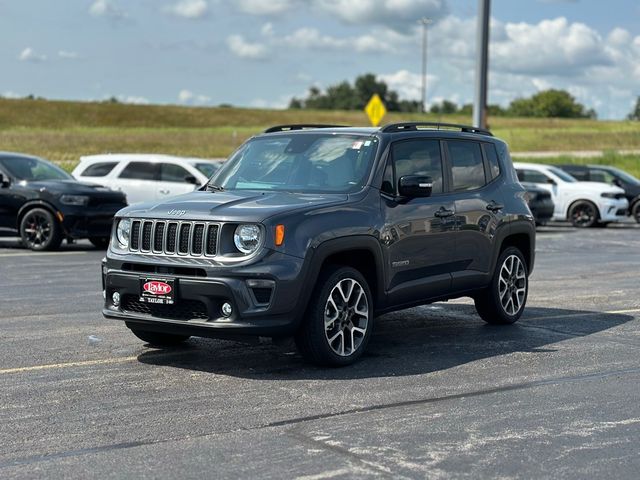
(312, 231)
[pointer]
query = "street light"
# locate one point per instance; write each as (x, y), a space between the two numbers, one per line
(424, 21)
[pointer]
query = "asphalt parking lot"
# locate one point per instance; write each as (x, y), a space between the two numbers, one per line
(438, 395)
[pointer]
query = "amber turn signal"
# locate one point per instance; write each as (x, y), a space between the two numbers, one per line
(279, 235)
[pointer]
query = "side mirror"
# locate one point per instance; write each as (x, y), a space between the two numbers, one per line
(414, 186)
(617, 182)
(4, 181)
(551, 181)
(191, 179)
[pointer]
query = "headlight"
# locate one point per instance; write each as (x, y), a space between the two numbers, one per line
(247, 238)
(610, 195)
(122, 232)
(75, 200)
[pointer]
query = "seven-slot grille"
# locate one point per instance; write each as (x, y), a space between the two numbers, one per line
(174, 237)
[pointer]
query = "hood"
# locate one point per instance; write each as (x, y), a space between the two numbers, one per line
(232, 205)
(73, 187)
(596, 187)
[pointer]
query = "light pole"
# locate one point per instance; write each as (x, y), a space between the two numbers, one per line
(424, 21)
(482, 64)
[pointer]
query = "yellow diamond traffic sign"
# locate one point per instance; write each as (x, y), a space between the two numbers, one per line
(375, 110)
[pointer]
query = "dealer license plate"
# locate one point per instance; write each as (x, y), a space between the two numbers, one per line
(158, 290)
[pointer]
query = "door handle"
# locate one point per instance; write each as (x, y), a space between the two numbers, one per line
(494, 207)
(164, 192)
(443, 213)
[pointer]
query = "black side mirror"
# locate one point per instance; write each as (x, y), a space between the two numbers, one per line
(551, 181)
(617, 182)
(191, 179)
(413, 186)
(4, 181)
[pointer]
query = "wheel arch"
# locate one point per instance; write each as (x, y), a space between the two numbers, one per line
(35, 204)
(572, 202)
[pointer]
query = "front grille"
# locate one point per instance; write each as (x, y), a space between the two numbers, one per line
(181, 310)
(184, 238)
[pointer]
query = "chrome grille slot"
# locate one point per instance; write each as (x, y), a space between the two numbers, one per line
(170, 237)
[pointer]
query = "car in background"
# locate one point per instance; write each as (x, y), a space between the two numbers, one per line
(45, 204)
(540, 202)
(612, 176)
(146, 177)
(584, 204)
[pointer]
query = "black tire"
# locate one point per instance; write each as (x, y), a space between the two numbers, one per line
(100, 243)
(40, 230)
(583, 214)
(314, 339)
(157, 339)
(635, 211)
(490, 302)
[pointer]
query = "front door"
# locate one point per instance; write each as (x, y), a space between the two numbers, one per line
(418, 235)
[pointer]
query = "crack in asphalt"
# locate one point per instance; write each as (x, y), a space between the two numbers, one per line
(311, 418)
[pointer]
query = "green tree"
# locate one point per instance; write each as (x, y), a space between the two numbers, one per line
(550, 103)
(635, 113)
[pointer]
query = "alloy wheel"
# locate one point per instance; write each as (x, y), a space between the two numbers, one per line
(512, 285)
(583, 215)
(38, 229)
(346, 317)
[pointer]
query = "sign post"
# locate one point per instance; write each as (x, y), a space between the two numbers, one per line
(375, 110)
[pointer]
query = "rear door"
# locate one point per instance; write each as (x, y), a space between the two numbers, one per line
(479, 206)
(139, 181)
(417, 238)
(11, 199)
(174, 180)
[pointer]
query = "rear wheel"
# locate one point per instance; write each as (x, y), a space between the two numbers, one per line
(40, 230)
(583, 214)
(635, 211)
(339, 319)
(157, 339)
(503, 301)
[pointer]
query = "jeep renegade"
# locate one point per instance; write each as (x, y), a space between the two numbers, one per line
(312, 231)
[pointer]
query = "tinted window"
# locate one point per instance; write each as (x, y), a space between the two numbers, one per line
(418, 157)
(598, 175)
(492, 158)
(173, 173)
(466, 165)
(207, 168)
(532, 176)
(579, 173)
(30, 168)
(98, 169)
(139, 171)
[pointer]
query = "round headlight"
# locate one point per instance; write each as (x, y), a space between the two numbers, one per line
(247, 238)
(122, 232)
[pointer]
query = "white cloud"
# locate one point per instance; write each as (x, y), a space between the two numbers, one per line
(190, 9)
(265, 7)
(243, 49)
(106, 8)
(10, 94)
(68, 54)
(408, 84)
(188, 97)
(267, 30)
(311, 38)
(131, 99)
(30, 55)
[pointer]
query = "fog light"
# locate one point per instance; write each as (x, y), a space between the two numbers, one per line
(115, 299)
(227, 309)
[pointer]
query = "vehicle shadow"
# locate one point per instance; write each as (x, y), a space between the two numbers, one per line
(15, 243)
(416, 341)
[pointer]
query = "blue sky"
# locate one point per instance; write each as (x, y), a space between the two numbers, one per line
(261, 53)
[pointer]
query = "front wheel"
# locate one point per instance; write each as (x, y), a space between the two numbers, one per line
(635, 211)
(157, 339)
(583, 214)
(40, 230)
(339, 320)
(503, 301)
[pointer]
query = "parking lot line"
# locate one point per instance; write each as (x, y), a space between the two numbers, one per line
(39, 254)
(51, 366)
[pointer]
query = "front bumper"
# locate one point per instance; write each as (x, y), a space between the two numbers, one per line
(613, 210)
(86, 222)
(264, 296)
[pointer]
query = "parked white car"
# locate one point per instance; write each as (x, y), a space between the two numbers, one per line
(145, 177)
(584, 204)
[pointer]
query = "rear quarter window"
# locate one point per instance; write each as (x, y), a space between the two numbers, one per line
(99, 169)
(492, 158)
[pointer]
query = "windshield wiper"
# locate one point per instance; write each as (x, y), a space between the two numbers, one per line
(214, 188)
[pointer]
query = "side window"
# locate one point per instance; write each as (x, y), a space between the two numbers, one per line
(466, 165)
(492, 157)
(100, 169)
(139, 171)
(418, 157)
(580, 174)
(173, 173)
(603, 176)
(532, 176)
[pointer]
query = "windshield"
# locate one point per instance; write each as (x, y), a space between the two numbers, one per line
(29, 168)
(207, 168)
(302, 162)
(562, 175)
(621, 174)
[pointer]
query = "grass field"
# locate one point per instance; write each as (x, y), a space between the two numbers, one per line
(63, 131)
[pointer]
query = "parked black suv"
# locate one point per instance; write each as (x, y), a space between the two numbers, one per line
(315, 232)
(46, 205)
(612, 176)
(540, 203)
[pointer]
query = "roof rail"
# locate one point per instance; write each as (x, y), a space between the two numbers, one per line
(301, 126)
(414, 126)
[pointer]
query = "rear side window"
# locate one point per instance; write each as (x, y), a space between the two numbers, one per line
(598, 175)
(532, 176)
(579, 173)
(466, 165)
(173, 173)
(99, 169)
(139, 171)
(492, 158)
(418, 157)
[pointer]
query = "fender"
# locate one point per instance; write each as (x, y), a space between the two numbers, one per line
(520, 226)
(33, 204)
(316, 258)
